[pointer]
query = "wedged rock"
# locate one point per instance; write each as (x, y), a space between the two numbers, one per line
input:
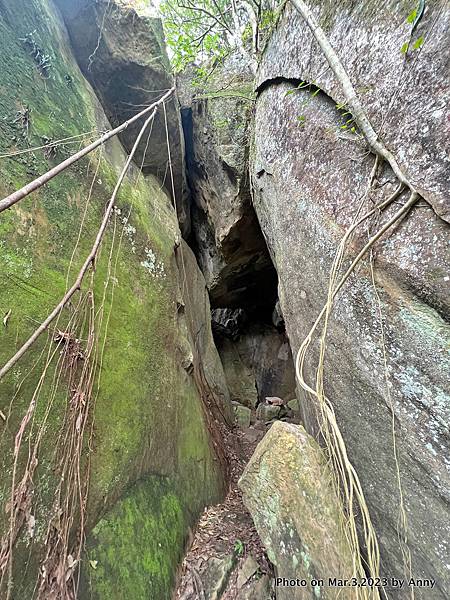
(120, 48)
(287, 488)
(228, 322)
(323, 171)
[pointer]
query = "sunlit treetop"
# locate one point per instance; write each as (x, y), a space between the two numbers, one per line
(197, 30)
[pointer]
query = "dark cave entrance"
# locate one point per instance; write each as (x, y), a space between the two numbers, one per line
(241, 278)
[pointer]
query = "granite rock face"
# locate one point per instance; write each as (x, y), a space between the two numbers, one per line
(120, 49)
(229, 244)
(152, 462)
(287, 488)
(401, 92)
(309, 175)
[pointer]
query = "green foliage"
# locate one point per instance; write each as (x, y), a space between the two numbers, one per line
(418, 43)
(413, 19)
(239, 548)
(196, 32)
(412, 16)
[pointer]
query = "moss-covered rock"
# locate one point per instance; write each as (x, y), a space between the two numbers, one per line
(146, 414)
(134, 549)
(287, 487)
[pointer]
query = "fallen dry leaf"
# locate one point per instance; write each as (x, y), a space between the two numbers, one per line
(6, 318)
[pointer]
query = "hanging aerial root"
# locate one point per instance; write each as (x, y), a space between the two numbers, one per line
(352, 101)
(78, 362)
(90, 260)
(43, 179)
(346, 478)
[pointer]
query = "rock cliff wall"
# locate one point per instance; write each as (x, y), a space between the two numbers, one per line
(310, 171)
(387, 357)
(151, 459)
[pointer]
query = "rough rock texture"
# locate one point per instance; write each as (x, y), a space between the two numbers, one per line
(149, 424)
(257, 365)
(309, 176)
(228, 322)
(230, 247)
(287, 488)
(121, 51)
(242, 415)
(260, 589)
(400, 92)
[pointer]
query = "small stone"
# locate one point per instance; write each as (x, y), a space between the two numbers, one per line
(253, 434)
(274, 400)
(293, 405)
(267, 412)
(242, 415)
(188, 363)
(247, 570)
(216, 576)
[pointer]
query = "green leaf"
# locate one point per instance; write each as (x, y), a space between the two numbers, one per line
(404, 48)
(418, 43)
(412, 16)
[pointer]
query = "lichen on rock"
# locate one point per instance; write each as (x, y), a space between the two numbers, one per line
(287, 487)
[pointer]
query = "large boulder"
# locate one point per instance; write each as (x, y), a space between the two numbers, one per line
(152, 463)
(120, 48)
(405, 92)
(287, 487)
(310, 175)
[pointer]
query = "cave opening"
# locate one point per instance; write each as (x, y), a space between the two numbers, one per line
(241, 278)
